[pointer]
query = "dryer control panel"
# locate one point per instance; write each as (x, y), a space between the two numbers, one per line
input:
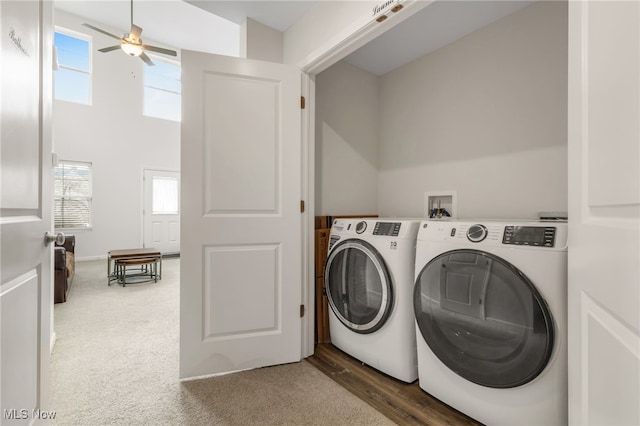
(537, 235)
(529, 235)
(391, 229)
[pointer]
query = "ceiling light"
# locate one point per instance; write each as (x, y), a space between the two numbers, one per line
(131, 49)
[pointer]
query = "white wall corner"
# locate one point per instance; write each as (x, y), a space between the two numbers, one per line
(261, 42)
(242, 39)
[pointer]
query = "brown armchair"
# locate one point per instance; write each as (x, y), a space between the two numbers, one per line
(64, 268)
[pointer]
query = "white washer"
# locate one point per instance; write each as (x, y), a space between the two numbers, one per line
(490, 303)
(369, 286)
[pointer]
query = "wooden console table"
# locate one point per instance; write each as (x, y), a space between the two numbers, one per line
(140, 256)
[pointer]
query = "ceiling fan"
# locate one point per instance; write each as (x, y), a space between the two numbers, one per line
(131, 43)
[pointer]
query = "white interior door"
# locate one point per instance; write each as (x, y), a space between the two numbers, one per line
(161, 213)
(25, 209)
(241, 247)
(604, 212)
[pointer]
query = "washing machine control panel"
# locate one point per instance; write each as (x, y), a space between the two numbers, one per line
(543, 236)
(391, 229)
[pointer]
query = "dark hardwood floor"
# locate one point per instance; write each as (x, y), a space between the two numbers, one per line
(405, 404)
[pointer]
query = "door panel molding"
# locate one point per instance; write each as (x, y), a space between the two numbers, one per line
(232, 304)
(603, 331)
(241, 276)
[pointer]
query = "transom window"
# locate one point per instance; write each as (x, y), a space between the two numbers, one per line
(73, 76)
(163, 90)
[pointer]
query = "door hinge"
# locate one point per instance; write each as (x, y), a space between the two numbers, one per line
(301, 311)
(303, 102)
(301, 206)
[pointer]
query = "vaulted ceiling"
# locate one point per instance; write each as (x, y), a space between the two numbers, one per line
(172, 22)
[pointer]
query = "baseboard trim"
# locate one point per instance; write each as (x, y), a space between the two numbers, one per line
(52, 342)
(87, 258)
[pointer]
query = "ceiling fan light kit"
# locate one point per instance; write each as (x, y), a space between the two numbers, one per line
(131, 43)
(131, 49)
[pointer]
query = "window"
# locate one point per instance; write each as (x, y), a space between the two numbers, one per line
(163, 90)
(72, 195)
(165, 195)
(73, 76)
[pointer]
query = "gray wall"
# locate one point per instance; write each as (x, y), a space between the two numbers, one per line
(484, 116)
(346, 136)
(260, 42)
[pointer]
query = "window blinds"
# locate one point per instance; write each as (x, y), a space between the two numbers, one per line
(72, 195)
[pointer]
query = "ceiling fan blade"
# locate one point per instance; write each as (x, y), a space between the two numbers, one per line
(146, 59)
(101, 31)
(159, 50)
(109, 49)
(135, 32)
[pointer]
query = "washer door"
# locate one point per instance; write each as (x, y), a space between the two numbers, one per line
(483, 318)
(358, 286)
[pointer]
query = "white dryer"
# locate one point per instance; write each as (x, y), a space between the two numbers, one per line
(369, 286)
(490, 304)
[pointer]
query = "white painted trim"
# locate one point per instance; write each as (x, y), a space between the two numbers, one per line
(361, 32)
(88, 258)
(308, 222)
(18, 281)
(141, 205)
(357, 35)
(52, 342)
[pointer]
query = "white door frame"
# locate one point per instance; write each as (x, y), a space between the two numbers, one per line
(146, 171)
(361, 32)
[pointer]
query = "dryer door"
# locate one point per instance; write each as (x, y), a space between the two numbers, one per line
(483, 318)
(358, 286)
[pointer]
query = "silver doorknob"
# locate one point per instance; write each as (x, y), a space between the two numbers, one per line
(49, 238)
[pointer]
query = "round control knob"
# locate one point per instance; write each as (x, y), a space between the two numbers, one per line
(477, 233)
(360, 227)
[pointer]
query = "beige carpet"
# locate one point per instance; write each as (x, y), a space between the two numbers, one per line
(116, 362)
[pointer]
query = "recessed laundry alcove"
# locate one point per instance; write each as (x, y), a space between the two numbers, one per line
(484, 115)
